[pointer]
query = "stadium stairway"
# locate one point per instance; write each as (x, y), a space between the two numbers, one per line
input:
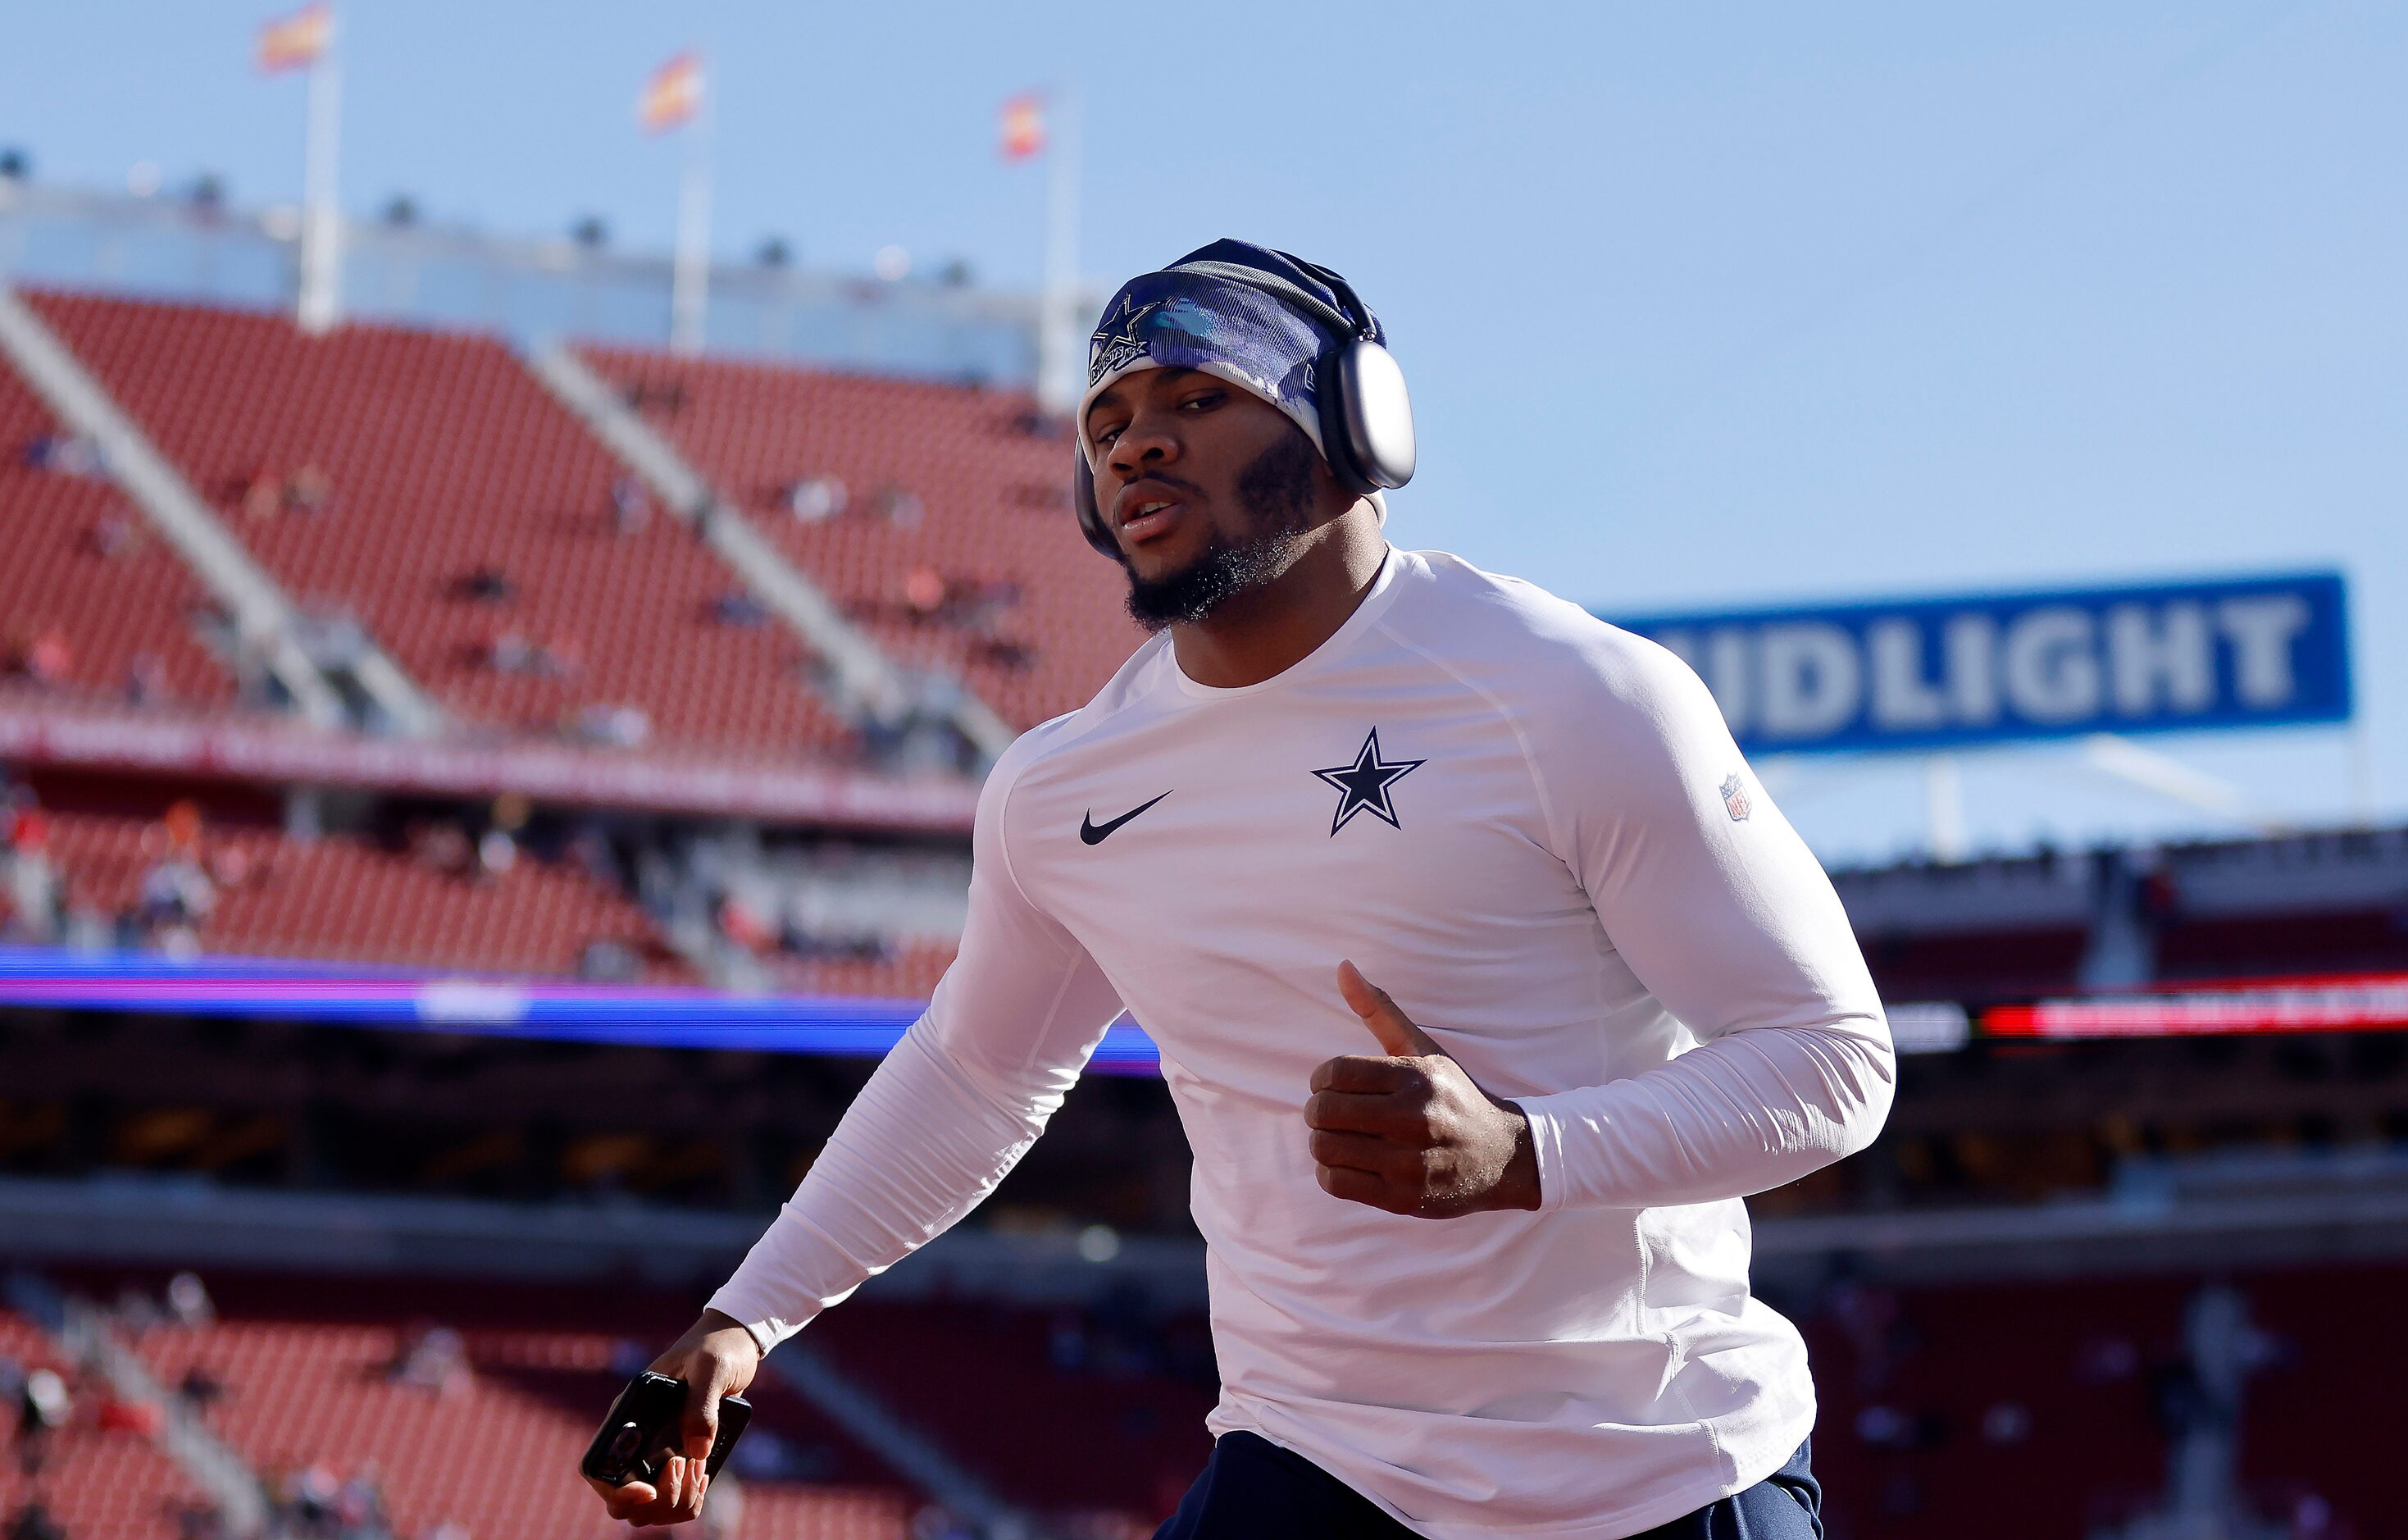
(424, 487)
(864, 680)
(79, 570)
(937, 516)
(262, 613)
(119, 1481)
(319, 1370)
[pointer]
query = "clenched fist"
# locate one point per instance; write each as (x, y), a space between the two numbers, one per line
(1408, 1130)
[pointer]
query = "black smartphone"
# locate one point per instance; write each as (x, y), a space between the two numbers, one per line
(641, 1431)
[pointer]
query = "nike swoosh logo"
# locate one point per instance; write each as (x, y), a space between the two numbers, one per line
(1094, 833)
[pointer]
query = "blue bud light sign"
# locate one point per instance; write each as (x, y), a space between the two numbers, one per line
(2001, 668)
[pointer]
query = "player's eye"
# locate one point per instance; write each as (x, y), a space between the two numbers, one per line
(1208, 400)
(1104, 435)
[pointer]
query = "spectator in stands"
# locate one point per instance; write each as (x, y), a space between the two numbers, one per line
(146, 680)
(45, 660)
(177, 893)
(816, 498)
(605, 960)
(115, 533)
(309, 1499)
(433, 1358)
(738, 607)
(923, 592)
(34, 1522)
(741, 924)
(44, 1406)
(496, 852)
(189, 1301)
(486, 585)
(618, 727)
(897, 507)
(120, 1414)
(443, 846)
(34, 887)
(359, 1504)
(199, 1390)
(630, 509)
(310, 491)
(262, 497)
(65, 455)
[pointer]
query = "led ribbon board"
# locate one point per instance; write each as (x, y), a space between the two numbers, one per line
(257, 988)
(2350, 1003)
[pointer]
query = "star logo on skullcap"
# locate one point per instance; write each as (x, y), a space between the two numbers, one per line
(1364, 785)
(1114, 344)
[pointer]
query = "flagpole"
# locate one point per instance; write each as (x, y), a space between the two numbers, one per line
(318, 301)
(690, 277)
(1057, 319)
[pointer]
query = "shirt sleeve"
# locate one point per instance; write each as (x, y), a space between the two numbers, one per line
(950, 1110)
(1727, 918)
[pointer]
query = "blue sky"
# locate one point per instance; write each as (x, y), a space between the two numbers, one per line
(1744, 303)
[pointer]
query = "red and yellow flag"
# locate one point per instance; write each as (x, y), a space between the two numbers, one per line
(295, 41)
(673, 95)
(1024, 126)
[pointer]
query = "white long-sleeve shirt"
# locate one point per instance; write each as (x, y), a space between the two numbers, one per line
(1535, 833)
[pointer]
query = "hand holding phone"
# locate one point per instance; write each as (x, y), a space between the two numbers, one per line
(670, 1429)
(644, 1430)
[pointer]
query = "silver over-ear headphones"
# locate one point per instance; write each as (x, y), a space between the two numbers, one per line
(1366, 418)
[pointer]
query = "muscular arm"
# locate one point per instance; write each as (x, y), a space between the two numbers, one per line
(1732, 923)
(953, 1108)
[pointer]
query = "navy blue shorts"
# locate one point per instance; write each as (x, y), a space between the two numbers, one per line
(1254, 1490)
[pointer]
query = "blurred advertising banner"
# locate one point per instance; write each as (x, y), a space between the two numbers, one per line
(2349, 1003)
(1928, 673)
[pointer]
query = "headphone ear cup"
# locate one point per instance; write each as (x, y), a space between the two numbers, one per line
(1091, 518)
(1365, 406)
(1337, 437)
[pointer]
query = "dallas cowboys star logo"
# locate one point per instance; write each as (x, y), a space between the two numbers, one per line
(1365, 784)
(1116, 342)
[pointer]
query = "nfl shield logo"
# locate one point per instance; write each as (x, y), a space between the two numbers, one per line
(1735, 798)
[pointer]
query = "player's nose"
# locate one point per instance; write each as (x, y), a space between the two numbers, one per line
(1148, 444)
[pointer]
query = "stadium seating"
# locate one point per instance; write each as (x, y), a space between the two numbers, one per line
(343, 899)
(1976, 966)
(1114, 1432)
(98, 1483)
(954, 545)
(2317, 1410)
(85, 572)
(2338, 941)
(426, 485)
(1986, 1411)
(2040, 1407)
(307, 1368)
(911, 971)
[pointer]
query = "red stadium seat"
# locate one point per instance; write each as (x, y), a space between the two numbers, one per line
(942, 481)
(376, 470)
(85, 564)
(98, 1484)
(342, 900)
(496, 1451)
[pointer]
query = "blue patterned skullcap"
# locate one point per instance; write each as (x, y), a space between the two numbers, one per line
(1249, 314)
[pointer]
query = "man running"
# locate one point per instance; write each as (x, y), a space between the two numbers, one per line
(1486, 978)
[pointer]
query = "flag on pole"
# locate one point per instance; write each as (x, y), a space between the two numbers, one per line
(1024, 126)
(673, 95)
(295, 41)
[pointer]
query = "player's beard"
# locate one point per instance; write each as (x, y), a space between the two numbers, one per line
(1276, 492)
